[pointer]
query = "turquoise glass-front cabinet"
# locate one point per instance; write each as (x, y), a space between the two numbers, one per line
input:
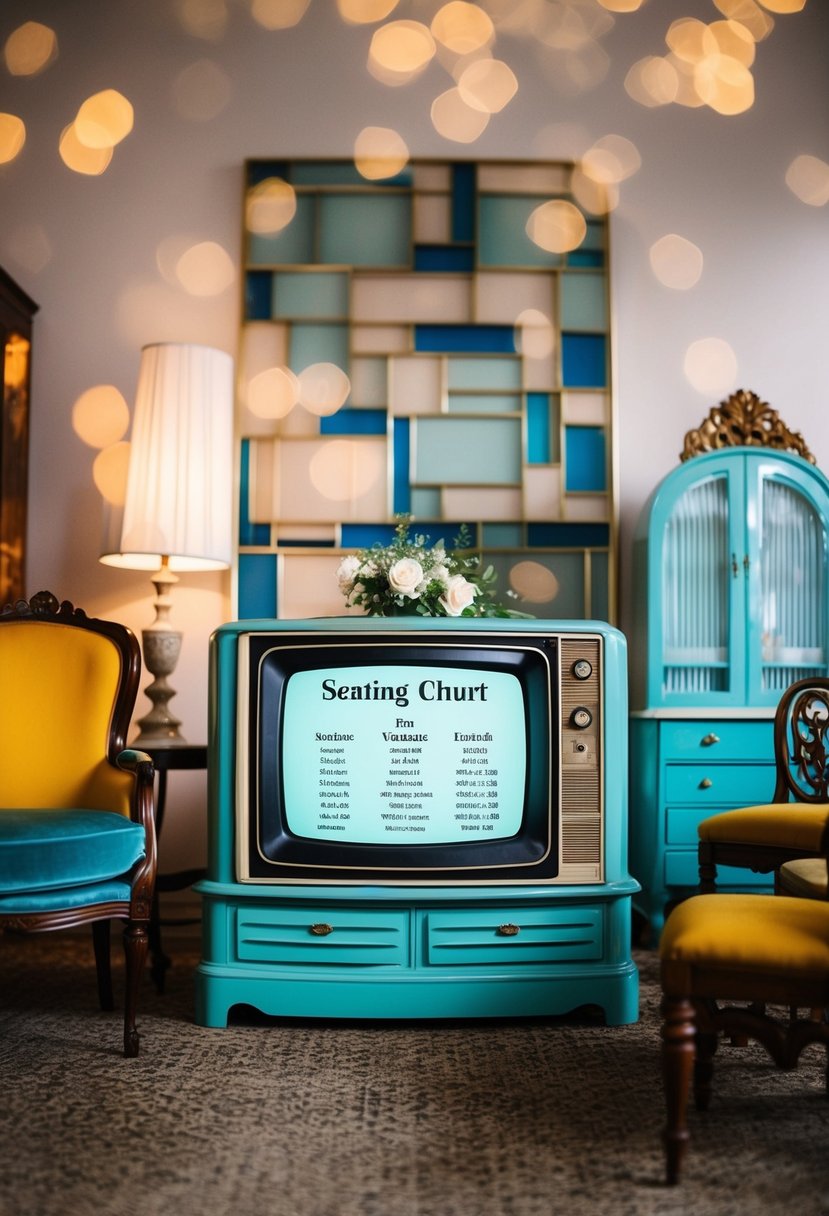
(730, 567)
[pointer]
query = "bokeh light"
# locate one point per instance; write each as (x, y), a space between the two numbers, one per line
(454, 119)
(380, 152)
(784, 6)
(364, 12)
(735, 40)
(676, 262)
(755, 19)
(808, 178)
(652, 81)
(323, 388)
(201, 91)
(598, 198)
(488, 85)
(611, 159)
(724, 84)
(710, 365)
(278, 14)
(205, 269)
(557, 226)
(109, 472)
(270, 206)
(690, 39)
(104, 119)
(32, 247)
(30, 48)
(533, 583)
(462, 27)
(344, 470)
(12, 137)
(535, 335)
(100, 416)
(400, 51)
(273, 393)
(205, 19)
(80, 157)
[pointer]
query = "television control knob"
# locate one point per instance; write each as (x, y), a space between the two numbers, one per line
(582, 669)
(581, 717)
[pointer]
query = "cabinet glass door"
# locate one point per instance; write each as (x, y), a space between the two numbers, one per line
(789, 641)
(700, 595)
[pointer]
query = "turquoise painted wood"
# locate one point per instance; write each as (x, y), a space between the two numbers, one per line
(382, 951)
(731, 592)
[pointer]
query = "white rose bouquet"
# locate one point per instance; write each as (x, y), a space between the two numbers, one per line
(412, 576)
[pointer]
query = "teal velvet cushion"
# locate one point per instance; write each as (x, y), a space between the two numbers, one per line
(41, 850)
(60, 899)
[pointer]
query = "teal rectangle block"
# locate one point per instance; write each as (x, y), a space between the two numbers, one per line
(487, 373)
(293, 245)
(584, 360)
(318, 344)
(425, 504)
(249, 533)
(484, 403)
(366, 230)
(401, 450)
(502, 536)
(539, 446)
(585, 459)
(583, 301)
(502, 237)
(298, 294)
(257, 585)
(468, 451)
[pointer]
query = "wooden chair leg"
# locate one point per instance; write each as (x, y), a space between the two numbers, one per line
(704, 1069)
(135, 950)
(707, 870)
(103, 966)
(678, 1055)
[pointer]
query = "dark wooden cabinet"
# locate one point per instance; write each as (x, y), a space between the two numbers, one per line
(16, 313)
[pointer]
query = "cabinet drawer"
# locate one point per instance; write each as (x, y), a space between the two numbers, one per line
(682, 870)
(513, 935)
(323, 936)
(717, 739)
(713, 785)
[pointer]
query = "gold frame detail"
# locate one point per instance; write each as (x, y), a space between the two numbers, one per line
(743, 420)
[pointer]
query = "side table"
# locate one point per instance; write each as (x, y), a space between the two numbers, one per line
(167, 757)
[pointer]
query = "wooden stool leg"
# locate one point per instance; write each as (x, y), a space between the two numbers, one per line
(678, 1054)
(103, 966)
(135, 950)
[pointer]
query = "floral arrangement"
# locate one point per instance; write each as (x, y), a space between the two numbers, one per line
(410, 576)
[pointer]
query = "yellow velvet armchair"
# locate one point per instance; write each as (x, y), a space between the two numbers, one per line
(793, 824)
(77, 832)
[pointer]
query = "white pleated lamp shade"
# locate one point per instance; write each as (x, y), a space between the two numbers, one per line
(179, 484)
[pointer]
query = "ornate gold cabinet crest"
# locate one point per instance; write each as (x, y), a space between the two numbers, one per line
(743, 420)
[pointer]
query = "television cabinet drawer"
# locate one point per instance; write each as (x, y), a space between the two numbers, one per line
(323, 936)
(717, 739)
(712, 785)
(512, 935)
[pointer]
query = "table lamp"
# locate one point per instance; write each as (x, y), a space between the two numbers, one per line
(178, 506)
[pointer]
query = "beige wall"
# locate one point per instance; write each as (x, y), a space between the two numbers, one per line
(85, 248)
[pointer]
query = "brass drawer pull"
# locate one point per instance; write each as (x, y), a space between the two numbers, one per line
(321, 930)
(508, 930)
(706, 783)
(708, 740)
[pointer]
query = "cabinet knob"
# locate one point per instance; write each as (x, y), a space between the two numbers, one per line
(321, 930)
(708, 740)
(706, 783)
(508, 930)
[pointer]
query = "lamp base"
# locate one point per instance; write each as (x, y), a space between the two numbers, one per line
(162, 648)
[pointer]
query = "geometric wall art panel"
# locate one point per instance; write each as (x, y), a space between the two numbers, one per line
(411, 345)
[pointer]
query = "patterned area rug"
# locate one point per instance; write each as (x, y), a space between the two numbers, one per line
(298, 1118)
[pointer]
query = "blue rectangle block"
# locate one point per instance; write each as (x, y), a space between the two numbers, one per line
(538, 428)
(354, 422)
(499, 339)
(257, 585)
(363, 536)
(258, 295)
(585, 459)
(585, 257)
(463, 202)
(584, 360)
(249, 533)
(401, 490)
(568, 536)
(444, 257)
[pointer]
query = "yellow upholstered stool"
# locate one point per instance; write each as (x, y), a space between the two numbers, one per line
(792, 824)
(756, 950)
(806, 878)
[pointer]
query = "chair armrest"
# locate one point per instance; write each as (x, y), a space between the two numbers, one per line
(142, 810)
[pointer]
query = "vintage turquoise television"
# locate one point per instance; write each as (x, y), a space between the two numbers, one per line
(417, 817)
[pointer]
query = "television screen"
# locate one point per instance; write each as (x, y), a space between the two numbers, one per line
(396, 754)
